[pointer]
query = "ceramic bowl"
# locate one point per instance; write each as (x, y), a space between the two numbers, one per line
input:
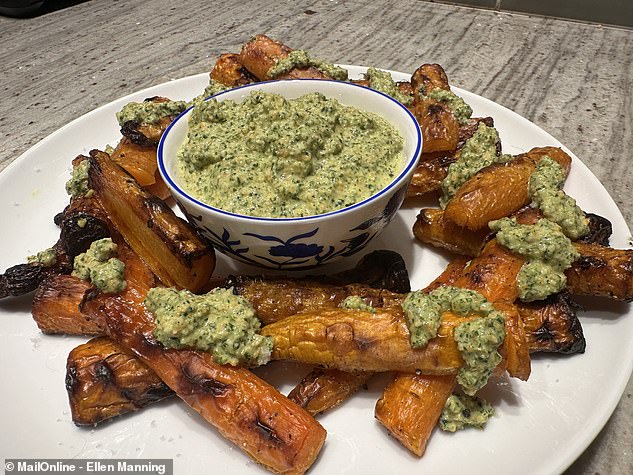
(306, 242)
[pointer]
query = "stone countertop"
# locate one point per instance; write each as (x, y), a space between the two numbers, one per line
(574, 80)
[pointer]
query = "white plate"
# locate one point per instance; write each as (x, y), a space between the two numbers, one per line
(540, 426)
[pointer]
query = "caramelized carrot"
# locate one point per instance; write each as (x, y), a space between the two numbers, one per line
(249, 412)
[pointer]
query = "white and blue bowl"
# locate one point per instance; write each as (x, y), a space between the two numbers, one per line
(298, 243)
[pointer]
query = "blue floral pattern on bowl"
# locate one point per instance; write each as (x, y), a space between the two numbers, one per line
(302, 251)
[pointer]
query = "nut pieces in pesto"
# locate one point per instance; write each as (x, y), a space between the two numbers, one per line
(300, 58)
(149, 112)
(356, 302)
(47, 257)
(219, 322)
(383, 82)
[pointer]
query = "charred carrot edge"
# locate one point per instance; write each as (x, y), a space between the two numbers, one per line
(168, 245)
(104, 380)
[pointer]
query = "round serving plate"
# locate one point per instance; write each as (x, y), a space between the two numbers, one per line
(540, 426)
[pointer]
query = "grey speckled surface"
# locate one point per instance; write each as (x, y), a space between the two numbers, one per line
(573, 80)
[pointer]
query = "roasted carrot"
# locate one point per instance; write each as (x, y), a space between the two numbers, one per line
(249, 412)
(323, 389)
(56, 306)
(104, 380)
(410, 407)
(261, 53)
(229, 71)
(498, 190)
(168, 245)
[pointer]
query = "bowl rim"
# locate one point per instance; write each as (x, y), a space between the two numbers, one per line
(407, 169)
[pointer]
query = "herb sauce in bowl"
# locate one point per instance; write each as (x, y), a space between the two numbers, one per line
(274, 157)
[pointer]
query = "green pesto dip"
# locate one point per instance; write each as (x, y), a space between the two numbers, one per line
(273, 157)
(478, 152)
(78, 183)
(383, 82)
(461, 110)
(461, 411)
(548, 252)
(149, 112)
(356, 302)
(477, 339)
(99, 266)
(301, 59)
(47, 257)
(556, 205)
(219, 322)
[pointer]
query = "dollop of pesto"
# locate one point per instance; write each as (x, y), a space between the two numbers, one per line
(100, 266)
(461, 411)
(214, 87)
(219, 322)
(383, 82)
(149, 112)
(477, 341)
(461, 110)
(478, 152)
(423, 314)
(545, 190)
(423, 310)
(548, 252)
(272, 157)
(47, 257)
(356, 302)
(78, 183)
(301, 59)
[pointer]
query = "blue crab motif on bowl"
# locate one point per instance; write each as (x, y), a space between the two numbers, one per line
(306, 242)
